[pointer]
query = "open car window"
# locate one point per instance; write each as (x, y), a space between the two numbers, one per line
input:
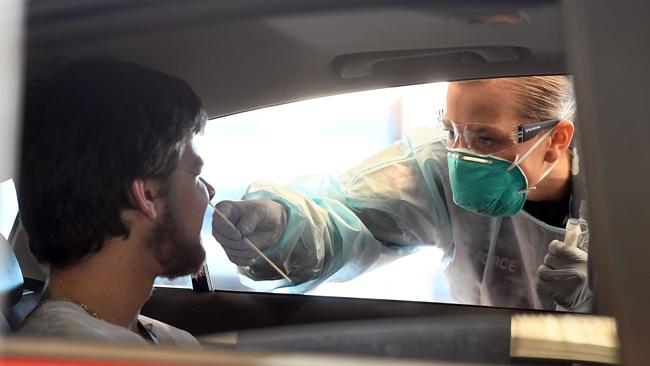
(385, 155)
(324, 136)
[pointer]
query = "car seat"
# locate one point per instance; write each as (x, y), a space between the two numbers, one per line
(17, 302)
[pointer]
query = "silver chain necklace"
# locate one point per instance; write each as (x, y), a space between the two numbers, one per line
(144, 331)
(81, 305)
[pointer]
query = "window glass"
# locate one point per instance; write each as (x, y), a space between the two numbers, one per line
(8, 207)
(324, 136)
(180, 282)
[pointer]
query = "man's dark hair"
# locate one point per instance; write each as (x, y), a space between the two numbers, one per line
(88, 134)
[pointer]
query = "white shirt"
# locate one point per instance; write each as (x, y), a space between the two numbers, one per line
(64, 319)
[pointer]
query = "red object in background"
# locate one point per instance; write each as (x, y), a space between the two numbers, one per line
(63, 362)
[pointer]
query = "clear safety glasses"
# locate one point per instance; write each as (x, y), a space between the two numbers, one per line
(487, 139)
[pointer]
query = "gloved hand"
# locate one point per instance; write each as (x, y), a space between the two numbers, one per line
(261, 221)
(563, 276)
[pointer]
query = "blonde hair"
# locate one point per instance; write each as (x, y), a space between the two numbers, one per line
(543, 97)
(540, 97)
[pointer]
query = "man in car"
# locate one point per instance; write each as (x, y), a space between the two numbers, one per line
(111, 198)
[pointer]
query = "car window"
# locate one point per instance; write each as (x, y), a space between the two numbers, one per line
(8, 207)
(324, 136)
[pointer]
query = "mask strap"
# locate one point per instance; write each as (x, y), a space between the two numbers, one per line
(546, 173)
(518, 159)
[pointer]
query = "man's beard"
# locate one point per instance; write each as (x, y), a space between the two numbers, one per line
(178, 255)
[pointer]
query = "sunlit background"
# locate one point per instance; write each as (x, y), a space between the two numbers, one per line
(8, 207)
(324, 136)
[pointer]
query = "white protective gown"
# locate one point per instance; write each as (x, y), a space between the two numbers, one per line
(395, 200)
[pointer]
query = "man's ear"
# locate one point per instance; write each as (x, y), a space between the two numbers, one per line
(561, 138)
(143, 195)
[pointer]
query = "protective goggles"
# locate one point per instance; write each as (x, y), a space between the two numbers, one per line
(488, 139)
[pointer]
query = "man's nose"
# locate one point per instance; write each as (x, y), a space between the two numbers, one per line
(209, 188)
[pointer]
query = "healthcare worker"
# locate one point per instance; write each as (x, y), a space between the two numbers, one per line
(493, 191)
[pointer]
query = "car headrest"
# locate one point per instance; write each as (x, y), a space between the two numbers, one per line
(11, 278)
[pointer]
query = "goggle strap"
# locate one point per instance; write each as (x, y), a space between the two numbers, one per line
(530, 151)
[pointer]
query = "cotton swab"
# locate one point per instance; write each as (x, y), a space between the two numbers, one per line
(250, 244)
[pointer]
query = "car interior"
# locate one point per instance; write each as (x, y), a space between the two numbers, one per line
(243, 56)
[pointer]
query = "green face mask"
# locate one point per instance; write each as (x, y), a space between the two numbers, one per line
(490, 185)
(485, 184)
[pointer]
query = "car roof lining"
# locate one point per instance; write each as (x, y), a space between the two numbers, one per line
(244, 55)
